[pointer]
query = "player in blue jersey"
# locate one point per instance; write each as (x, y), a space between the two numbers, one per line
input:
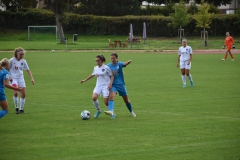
(118, 85)
(4, 82)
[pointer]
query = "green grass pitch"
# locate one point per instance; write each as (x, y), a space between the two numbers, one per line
(202, 122)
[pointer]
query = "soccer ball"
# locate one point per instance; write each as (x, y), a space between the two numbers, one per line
(85, 115)
(53, 51)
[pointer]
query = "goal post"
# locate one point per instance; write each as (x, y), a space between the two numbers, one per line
(45, 29)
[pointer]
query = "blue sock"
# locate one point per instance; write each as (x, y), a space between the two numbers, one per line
(3, 113)
(111, 105)
(129, 106)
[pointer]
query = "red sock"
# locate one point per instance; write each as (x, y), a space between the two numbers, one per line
(231, 56)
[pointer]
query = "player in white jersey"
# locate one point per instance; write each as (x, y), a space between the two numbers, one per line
(17, 65)
(185, 58)
(104, 82)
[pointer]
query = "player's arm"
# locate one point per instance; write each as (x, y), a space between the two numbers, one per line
(111, 81)
(30, 75)
(7, 85)
(190, 59)
(178, 60)
(89, 77)
(127, 63)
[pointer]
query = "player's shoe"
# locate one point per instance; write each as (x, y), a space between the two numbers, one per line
(184, 85)
(223, 59)
(191, 83)
(232, 59)
(22, 111)
(97, 114)
(110, 113)
(133, 114)
(113, 116)
(17, 111)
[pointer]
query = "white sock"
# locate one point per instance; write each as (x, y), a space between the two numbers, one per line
(184, 79)
(15, 100)
(22, 102)
(96, 104)
(190, 77)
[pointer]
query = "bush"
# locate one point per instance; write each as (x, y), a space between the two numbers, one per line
(157, 26)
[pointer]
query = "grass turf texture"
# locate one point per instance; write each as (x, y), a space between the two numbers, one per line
(48, 42)
(172, 122)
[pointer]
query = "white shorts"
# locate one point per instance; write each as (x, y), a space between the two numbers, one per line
(19, 82)
(102, 90)
(184, 64)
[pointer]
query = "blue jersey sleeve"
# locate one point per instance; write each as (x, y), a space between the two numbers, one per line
(121, 64)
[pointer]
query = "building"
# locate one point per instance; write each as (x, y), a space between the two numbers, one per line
(229, 8)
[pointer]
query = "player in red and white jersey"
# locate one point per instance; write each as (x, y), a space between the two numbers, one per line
(185, 58)
(17, 66)
(104, 82)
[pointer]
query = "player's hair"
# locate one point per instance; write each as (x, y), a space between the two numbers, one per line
(17, 51)
(184, 40)
(101, 57)
(3, 63)
(114, 54)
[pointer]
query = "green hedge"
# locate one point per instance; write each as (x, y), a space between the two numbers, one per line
(102, 25)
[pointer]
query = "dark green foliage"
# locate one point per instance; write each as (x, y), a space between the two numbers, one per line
(14, 5)
(102, 25)
(109, 7)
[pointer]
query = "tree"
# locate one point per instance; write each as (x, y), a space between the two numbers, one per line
(238, 18)
(109, 7)
(203, 18)
(215, 2)
(180, 17)
(15, 4)
(59, 7)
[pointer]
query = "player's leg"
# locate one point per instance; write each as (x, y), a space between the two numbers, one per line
(96, 92)
(187, 71)
(123, 92)
(15, 96)
(22, 99)
(112, 95)
(4, 105)
(21, 83)
(182, 67)
(231, 55)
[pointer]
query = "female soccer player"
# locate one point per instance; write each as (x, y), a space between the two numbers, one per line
(185, 58)
(17, 65)
(4, 82)
(104, 82)
(229, 42)
(118, 85)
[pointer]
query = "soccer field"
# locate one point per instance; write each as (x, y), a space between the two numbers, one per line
(200, 122)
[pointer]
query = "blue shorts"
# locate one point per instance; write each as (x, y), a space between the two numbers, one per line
(2, 97)
(121, 89)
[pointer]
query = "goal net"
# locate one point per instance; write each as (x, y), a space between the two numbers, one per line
(43, 33)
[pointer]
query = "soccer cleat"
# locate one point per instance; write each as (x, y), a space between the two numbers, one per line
(223, 59)
(184, 85)
(110, 113)
(133, 114)
(113, 116)
(22, 111)
(232, 59)
(17, 111)
(97, 114)
(191, 83)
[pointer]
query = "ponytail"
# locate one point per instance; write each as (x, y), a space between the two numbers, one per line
(101, 57)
